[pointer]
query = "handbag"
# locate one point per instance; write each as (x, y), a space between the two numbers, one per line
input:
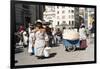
(46, 51)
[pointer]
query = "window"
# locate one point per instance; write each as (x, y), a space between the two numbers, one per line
(50, 21)
(25, 6)
(72, 22)
(58, 7)
(69, 23)
(69, 11)
(52, 9)
(69, 16)
(72, 16)
(72, 11)
(58, 23)
(53, 15)
(63, 6)
(57, 17)
(57, 12)
(63, 11)
(63, 17)
(64, 22)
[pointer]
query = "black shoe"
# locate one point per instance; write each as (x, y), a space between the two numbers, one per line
(31, 54)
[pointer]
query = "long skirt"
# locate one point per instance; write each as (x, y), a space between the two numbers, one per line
(39, 47)
(30, 46)
(25, 40)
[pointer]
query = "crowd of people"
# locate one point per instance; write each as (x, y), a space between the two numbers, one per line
(39, 38)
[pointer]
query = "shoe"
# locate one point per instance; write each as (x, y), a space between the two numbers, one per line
(31, 54)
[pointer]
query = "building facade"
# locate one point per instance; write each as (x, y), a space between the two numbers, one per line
(25, 14)
(61, 16)
(49, 15)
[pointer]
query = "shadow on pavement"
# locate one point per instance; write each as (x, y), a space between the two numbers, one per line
(57, 45)
(80, 49)
(51, 55)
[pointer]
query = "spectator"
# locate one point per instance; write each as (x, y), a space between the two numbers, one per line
(25, 38)
(58, 35)
(31, 37)
(50, 36)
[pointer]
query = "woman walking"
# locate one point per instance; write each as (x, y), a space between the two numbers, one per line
(40, 40)
(58, 36)
(31, 37)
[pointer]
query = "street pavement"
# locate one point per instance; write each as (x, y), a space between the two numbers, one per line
(58, 55)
